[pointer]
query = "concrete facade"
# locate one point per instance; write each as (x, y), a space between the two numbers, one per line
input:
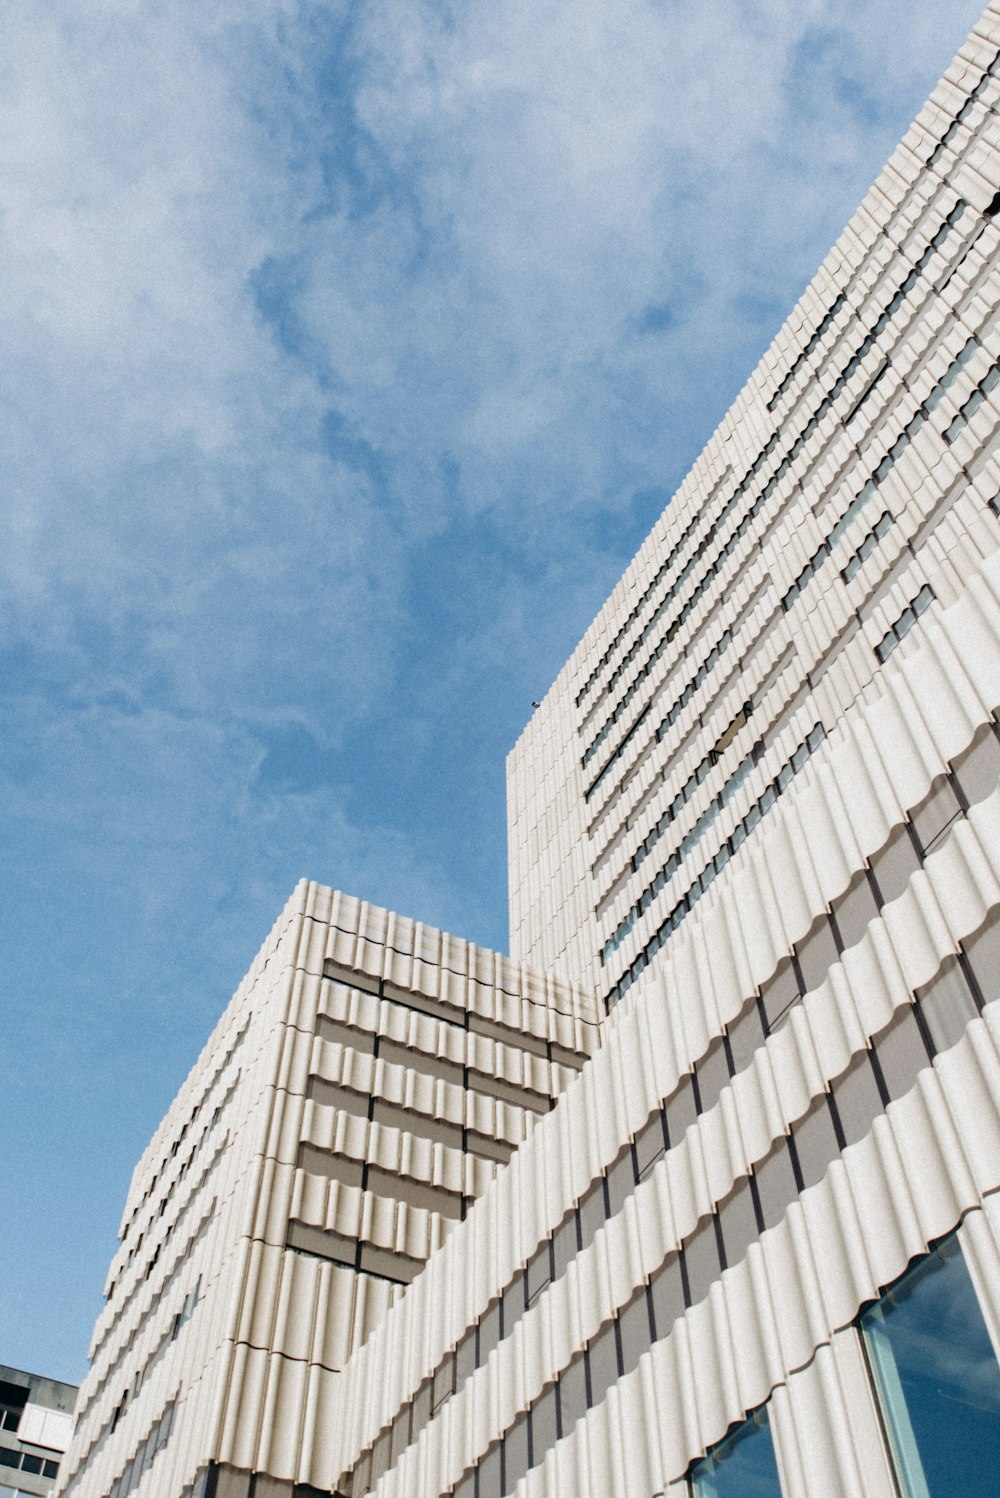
(36, 1423)
(427, 1222)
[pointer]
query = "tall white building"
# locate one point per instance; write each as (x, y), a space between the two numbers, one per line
(754, 1247)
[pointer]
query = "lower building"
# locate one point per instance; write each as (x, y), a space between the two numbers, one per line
(702, 1197)
(36, 1422)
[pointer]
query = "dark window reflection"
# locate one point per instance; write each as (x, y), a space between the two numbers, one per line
(937, 1379)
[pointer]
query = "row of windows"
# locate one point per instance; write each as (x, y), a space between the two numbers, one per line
(945, 1005)
(873, 1078)
(708, 875)
(637, 610)
(715, 654)
(868, 544)
(192, 1119)
(170, 1335)
(840, 384)
(912, 427)
(883, 468)
(966, 412)
(846, 375)
(453, 1016)
(181, 1261)
(804, 355)
(905, 622)
(392, 1115)
(708, 817)
(973, 777)
(171, 1191)
(836, 1119)
(936, 1380)
(358, 1254)
(342, 1030)
(26, 1461)
(965, 111)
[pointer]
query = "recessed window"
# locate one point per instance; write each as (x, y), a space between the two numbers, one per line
(937, 1378)
(742, 1464)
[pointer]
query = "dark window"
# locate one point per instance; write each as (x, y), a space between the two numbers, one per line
(894, 863)
(815, 1141)
(978, 769)
(780, 992)
(603, 1357)
(776, 1186)
(855, 910)
(817, 953)
(634, 1330)
(947, 1005)
(982, 951)
(858, 1100)
(701, 1259)
(935, 814)
(901, 1052)
(667, 1291)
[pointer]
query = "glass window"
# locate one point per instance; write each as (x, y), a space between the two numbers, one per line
(489, 1475)
(937, 1378)
(817, 953)
(741, 1466)
(738, 1221)
(650, 1144)
(701, 1260)
(947, 1005)
(444, 1383)
(745, 1035)
(680, 1110)
(668, 1295)
(572, 1394)
(400, 1434)
(780, 992)
(543, 1424)
(489, 1331)
(592, 1212)
(513, 1304)
(515, 1454)
(564, 1243)
(539, 1274)
(603, 1357)
(936, 814)
(621, 1182)
(465, 1357)
(901, 1052)
(855, 910)
(712, 1072)
(894, 863)
(815, 1141)
(982, 950)
(857, 1097)
(633, 1326)
(978, 769)
(776, 1186)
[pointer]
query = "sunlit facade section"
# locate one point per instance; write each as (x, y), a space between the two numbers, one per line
(700, 1195)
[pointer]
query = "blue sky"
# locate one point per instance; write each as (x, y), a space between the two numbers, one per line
(350, 351)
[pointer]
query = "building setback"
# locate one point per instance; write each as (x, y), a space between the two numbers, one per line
(750, 1036)
(36, 1422)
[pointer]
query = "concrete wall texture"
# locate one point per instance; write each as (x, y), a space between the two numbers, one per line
(425, 1220)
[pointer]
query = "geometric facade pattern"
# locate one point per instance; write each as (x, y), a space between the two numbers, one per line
(663, 1204)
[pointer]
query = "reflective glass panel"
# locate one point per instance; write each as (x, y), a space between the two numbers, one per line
(937, 1378)
(741, 1466)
